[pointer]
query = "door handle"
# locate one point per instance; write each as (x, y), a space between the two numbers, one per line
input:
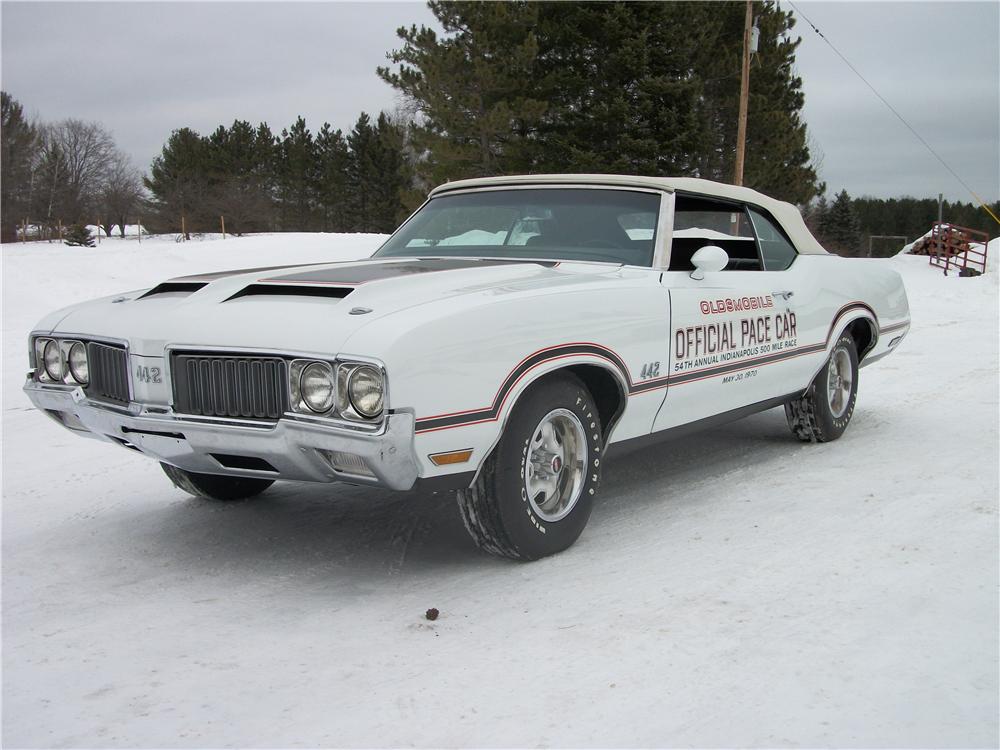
(783, 295)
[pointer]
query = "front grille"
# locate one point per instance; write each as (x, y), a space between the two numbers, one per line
(108, 366)
(229, 386)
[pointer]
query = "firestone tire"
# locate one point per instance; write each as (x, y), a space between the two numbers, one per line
(824, 411)
(214, 486)
(535, 492)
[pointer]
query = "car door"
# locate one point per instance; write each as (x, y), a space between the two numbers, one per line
(735, 334)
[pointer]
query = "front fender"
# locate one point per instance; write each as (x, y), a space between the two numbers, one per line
(461, 367)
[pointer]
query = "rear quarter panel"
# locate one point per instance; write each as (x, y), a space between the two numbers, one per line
(855, 288)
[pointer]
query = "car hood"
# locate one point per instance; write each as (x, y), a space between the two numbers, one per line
(306, 309)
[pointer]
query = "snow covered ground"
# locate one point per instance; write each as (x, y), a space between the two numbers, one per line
(735, 588)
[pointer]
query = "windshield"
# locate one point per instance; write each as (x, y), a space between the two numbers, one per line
(611, 226)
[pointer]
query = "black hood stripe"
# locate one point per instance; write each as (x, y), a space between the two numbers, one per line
(353, 272)
(363, 273)
(216, 275)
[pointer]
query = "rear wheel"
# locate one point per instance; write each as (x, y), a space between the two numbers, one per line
(215, 486)
(534, 494)
(824, 411)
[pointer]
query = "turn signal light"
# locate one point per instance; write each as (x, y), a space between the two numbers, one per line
(452, 457)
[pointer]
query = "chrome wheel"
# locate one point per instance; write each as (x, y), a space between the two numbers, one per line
(555, 464)
(840, 380)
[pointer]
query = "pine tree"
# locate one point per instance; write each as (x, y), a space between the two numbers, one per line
(265, 157)
(332, 190)
(777, 155)
(78, 235)
(392, 175)
(362, 175)
(238, 177)
(815, 214)
(19, 143)
(179, 182)
(297, 177)
(620, 91)
(648, 88)
(840, 229)
(472, 87)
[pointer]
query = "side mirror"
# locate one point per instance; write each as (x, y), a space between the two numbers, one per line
(708, 258)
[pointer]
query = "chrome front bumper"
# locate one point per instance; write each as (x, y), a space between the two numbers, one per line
(296, 449)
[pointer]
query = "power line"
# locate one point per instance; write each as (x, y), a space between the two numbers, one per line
(899, 116)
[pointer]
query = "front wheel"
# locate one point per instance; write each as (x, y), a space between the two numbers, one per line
(534, 494)
(215, 486)
(824, 411)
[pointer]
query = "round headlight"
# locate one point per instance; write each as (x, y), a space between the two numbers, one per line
(78, 363)
(317, 388)
(52, 360)
(366, 391)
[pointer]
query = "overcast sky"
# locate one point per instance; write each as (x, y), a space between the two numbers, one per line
(144, 69)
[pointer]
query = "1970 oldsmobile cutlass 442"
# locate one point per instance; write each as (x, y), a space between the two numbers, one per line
(500, 342)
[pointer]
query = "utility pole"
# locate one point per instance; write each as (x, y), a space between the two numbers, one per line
(741, 132)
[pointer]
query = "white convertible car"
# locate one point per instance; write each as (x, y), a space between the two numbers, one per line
(510, 335)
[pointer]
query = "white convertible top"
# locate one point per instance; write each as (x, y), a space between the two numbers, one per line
(787, 214)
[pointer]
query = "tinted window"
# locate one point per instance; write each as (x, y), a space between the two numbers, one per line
(699, 222)
(777, 251)
(617, 226)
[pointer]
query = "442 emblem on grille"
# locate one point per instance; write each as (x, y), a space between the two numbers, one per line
(148, 374)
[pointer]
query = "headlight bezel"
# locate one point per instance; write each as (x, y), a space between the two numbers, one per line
(354, 399)
(38, 359)
(70, 376)
(325, 372)
(56, 348)
(342, 409)
(42, 370)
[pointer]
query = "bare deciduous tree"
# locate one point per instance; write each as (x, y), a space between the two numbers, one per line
(87, 149)
(51, 200)
(120, 192)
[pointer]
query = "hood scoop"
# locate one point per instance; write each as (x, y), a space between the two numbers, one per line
(292, 290)
(174, 289)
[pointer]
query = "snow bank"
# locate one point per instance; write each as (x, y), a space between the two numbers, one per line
(992, 255)
(131, 230)
(734, 588)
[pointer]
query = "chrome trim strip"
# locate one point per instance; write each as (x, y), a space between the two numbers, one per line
(664, 233)
(86, 336)
(538, 186)
(397, 230)
(546, 186)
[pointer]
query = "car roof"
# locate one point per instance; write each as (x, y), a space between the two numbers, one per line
(786, 214)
